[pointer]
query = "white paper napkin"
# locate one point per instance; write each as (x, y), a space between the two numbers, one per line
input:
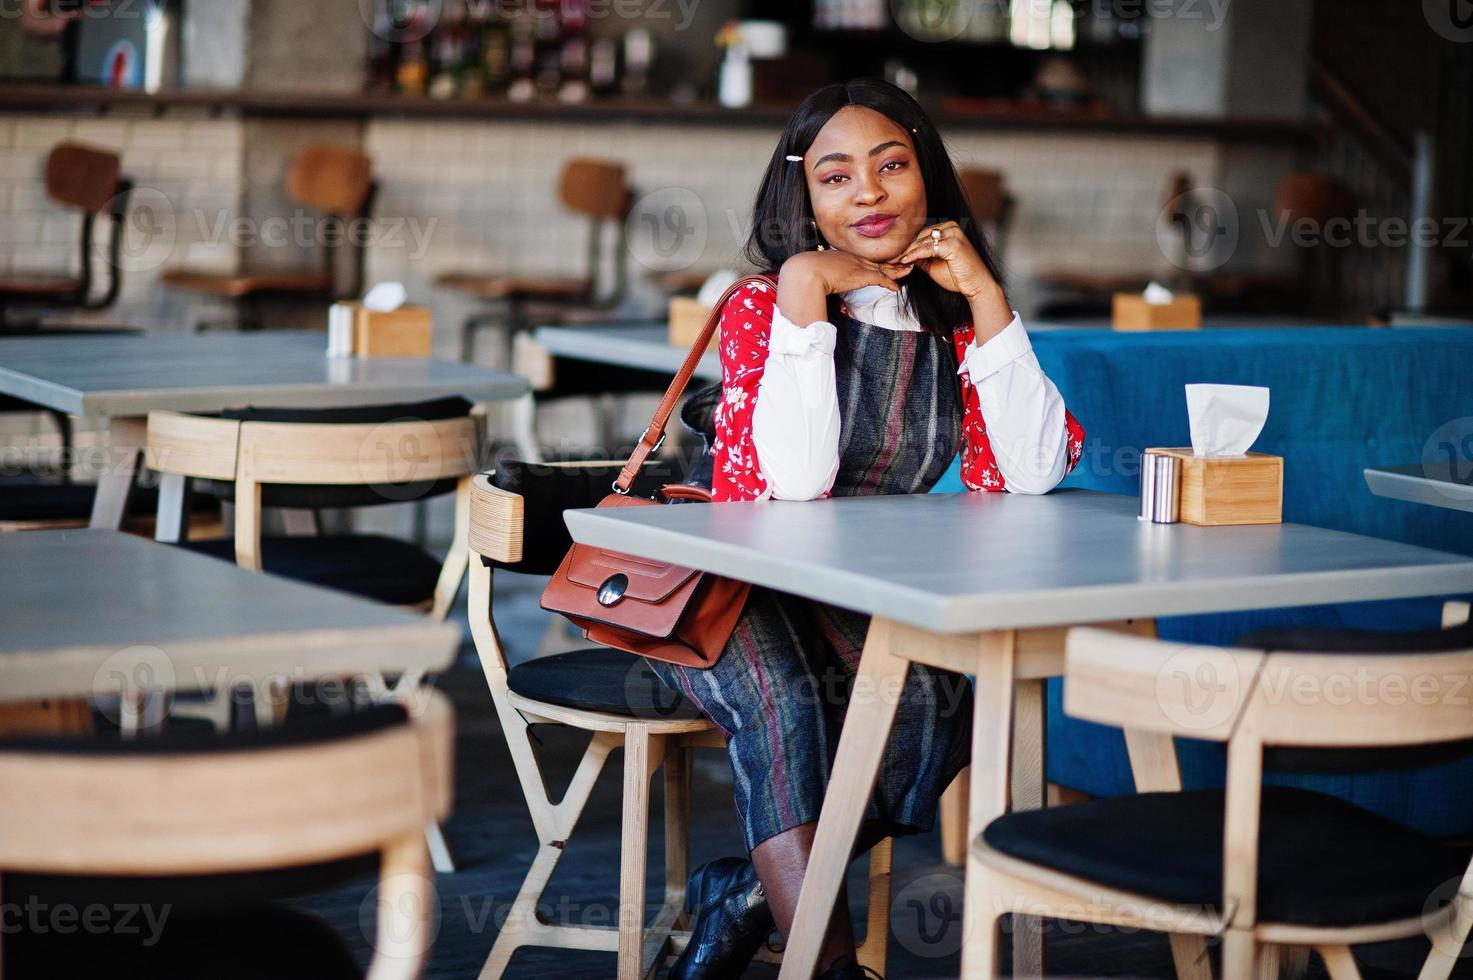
(1225, 419)
(385, 297)
(1156, 294)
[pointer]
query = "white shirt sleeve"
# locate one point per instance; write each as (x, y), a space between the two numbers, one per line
(795, 424)
(1023, 409)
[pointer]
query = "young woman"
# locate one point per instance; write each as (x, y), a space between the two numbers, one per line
(887, 347)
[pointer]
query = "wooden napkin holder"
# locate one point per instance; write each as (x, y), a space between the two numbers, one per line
(1219, 490)
(1130, 311)
(405, 332)
(687, 318)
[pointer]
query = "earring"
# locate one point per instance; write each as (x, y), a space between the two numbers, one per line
(814, 225)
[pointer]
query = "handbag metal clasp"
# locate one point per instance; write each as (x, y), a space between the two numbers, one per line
(612, 590)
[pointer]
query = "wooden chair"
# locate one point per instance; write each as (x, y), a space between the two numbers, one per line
(213, 827)
(305, 459)
(333, 180)
(516, 524)
(88, 178)
(597, 189)
(992, 203)
(1273, 871)
(308, 459)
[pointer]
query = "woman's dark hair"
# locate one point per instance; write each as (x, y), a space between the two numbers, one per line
(782, 214)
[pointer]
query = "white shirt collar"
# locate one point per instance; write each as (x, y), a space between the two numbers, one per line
(880, 306)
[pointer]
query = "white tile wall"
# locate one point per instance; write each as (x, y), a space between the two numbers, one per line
(182, 169)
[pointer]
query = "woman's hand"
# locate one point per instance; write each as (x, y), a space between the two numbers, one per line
(951, 260)
(807, 279)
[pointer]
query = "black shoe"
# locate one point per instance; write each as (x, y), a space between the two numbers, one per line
(847, 968)
(732, 921)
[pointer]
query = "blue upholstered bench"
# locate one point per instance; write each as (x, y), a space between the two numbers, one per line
(1342, 400)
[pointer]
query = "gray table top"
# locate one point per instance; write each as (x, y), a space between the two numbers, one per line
(1433, 484)
(954, 563)
(132, 375)
(85, 611)
(636, 345)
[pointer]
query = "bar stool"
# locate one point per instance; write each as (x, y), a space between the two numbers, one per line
(212, 830)
(89, 178)
(596, 189)
(336, 181)
(517, 525)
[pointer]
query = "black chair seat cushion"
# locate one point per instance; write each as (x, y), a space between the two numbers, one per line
(574, 378)
(315, 496)
(1322, 861)
(47, 498)
(369, 565)
(263, 942)
(600, 679)
(1293, 758)
(39, 499)
(547, 491)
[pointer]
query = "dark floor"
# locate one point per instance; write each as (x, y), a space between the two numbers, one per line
(492, 836)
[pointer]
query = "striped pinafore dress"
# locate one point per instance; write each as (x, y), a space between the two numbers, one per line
(780, 687)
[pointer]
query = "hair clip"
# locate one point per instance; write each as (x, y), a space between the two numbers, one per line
(795, 158)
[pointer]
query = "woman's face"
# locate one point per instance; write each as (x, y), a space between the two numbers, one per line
(865, 184)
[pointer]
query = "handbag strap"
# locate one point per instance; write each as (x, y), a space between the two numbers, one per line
(654, 433)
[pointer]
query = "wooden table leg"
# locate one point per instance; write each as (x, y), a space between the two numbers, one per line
(126, 437)
(1029, 788)
(867, 723)
(992, 732)
(172, 525)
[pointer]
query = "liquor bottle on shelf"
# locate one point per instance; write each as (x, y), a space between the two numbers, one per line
(522, 56)
(573, 52)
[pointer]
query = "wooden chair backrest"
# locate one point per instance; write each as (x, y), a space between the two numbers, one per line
(381, 454)
(1312, 196)
(229, 811)
(312, 453)
(496, 514)
(987, 192)
(596, 188)
(332, 179)
(82, 176)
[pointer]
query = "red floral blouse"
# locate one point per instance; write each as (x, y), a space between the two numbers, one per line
(746, 322)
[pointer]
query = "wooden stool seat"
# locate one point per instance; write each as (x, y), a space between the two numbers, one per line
(40, 286)
(516, 287)
(237, 286)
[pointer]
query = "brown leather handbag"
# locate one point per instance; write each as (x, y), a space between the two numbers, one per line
(653, 609)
